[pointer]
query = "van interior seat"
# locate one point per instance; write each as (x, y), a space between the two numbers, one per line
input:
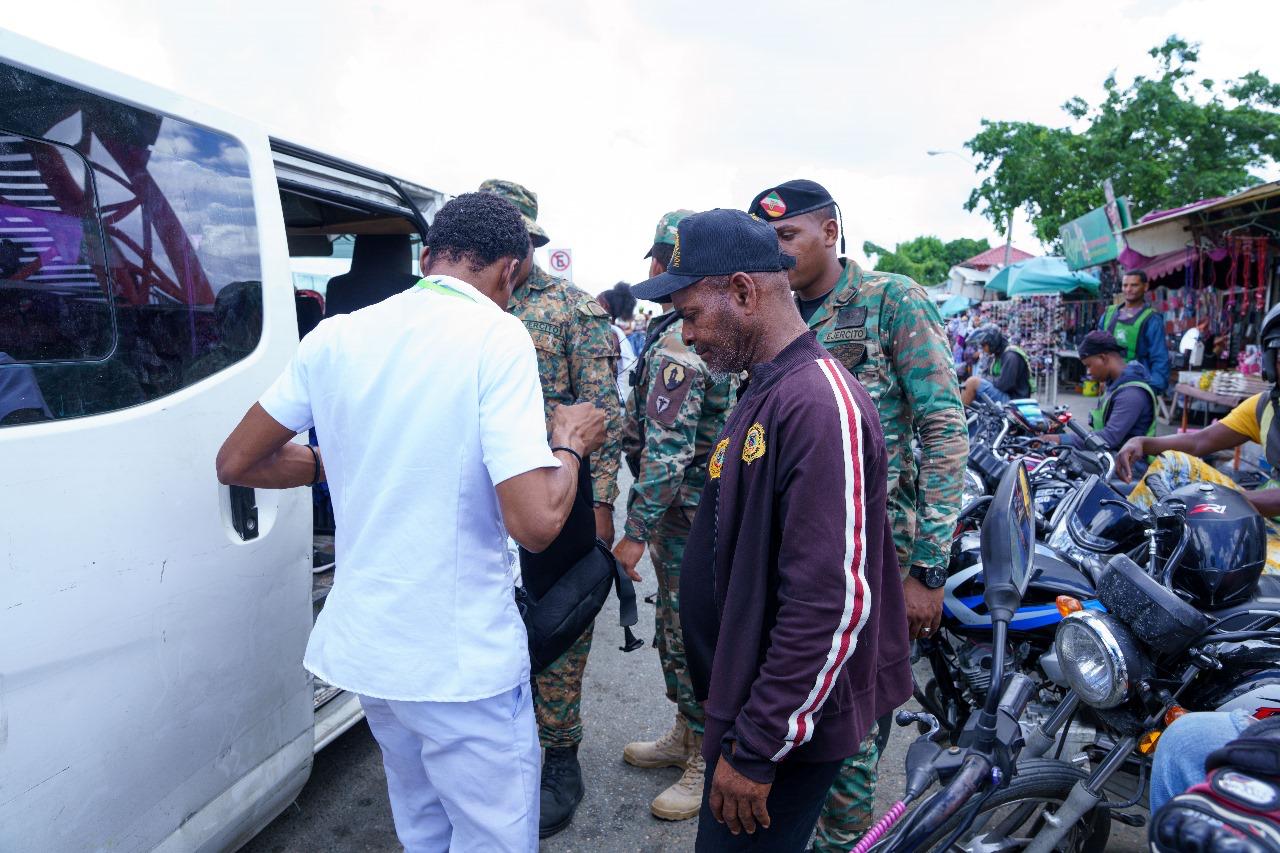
(381, 266)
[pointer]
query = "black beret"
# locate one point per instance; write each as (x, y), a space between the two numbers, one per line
(790, 199)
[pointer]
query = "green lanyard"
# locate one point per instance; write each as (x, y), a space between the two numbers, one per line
(437, 285)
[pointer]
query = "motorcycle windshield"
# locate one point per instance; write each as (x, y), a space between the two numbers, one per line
(1101, 526)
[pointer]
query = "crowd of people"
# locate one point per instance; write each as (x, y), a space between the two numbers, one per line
(769, 417)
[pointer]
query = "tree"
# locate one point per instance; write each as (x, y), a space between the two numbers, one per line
(925, 259)
(1165, 141)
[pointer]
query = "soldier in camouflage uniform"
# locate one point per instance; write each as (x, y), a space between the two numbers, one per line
(670, 426)
(577, 357)
(888, 333)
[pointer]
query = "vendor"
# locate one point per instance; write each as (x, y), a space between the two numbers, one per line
(1180, 458)
(1139, 329)
(1128, 408)
(1010, 369)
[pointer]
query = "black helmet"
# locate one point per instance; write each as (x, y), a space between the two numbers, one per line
(989, 336)
(1226, 548)
(1269, 340)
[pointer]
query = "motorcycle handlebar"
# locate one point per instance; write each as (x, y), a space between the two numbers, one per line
(969, 779)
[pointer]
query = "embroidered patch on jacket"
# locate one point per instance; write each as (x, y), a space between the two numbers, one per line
(851, 315)
(667, 396)
(837, 335)
(753, 447)
(673, 375)
(542, 326)
(717, 459)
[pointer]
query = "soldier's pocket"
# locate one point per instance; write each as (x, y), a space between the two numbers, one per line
(872, 374)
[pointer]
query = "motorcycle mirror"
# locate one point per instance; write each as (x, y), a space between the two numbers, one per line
(1008, 544)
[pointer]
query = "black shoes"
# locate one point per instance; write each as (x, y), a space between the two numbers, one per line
(560, 791)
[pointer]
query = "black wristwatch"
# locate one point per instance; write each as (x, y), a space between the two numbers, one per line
(934, 577)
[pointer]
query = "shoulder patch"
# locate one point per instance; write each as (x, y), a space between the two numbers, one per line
(668, 392)
(591, 308)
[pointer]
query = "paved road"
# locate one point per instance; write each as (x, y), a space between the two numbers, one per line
(344, 805)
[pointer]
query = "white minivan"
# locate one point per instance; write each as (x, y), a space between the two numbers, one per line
(152, 621)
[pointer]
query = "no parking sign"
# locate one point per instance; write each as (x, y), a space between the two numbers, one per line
(560, 261)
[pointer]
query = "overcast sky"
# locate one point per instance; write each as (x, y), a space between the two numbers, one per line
(614, 112)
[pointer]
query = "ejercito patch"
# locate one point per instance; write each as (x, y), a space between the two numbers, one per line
(542, 326)
(667, 395)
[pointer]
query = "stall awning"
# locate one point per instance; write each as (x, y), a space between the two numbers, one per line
(955, 305)
(1163, 232)
(1041, 275)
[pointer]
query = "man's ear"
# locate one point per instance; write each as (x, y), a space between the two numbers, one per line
(744, 291)
(424, 260)
(830, 233)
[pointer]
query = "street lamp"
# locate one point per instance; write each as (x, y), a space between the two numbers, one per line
(1008, 231)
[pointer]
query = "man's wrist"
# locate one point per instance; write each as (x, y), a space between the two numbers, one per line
(933, 577)
(635, 531)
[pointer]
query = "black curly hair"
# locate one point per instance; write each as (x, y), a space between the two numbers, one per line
(478, 229)
(619, 302)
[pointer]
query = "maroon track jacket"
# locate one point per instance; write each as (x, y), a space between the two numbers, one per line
(790, 598)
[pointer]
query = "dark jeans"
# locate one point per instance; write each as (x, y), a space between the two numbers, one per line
(796, 798)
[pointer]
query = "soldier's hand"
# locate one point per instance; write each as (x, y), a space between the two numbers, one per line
(924, 608)
(628, 553)
(736, 801)
(580, 426)
(1131, 452)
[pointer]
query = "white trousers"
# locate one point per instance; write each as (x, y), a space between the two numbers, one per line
(462, 776)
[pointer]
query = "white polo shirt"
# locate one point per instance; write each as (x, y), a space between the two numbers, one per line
(422, 403)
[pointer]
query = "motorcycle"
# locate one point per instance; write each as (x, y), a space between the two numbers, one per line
(960, 654)
(980, 772)
(999, 434)
(1194, 630)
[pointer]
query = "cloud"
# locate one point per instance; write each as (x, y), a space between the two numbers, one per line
(617, 112)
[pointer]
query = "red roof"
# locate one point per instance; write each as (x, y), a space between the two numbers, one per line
(995, 257)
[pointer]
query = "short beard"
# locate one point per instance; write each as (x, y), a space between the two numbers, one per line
(729, 352)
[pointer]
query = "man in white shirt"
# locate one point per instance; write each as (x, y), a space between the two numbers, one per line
(429, 411)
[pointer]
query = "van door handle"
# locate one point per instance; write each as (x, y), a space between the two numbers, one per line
(244, 512)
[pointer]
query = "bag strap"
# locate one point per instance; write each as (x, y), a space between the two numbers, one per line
(628, 613)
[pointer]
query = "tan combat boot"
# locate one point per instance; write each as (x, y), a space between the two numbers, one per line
(671, 750)
(683, 799)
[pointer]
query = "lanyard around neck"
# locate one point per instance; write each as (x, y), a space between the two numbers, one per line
(438, 285)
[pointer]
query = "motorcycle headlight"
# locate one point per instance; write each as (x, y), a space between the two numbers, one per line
(1099, 657)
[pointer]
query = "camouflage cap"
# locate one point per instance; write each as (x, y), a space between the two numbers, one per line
(525, 200)
(666, 231)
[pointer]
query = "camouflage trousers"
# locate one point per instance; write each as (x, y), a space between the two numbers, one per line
(558, 704)
(666, 547)
(851, 802)
(1177, 469)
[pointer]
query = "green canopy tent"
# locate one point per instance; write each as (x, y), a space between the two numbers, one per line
(955, 305)
(1041, 275)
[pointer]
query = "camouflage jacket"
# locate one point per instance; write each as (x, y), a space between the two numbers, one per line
(673, 417)
(577, 358)
(887, 332)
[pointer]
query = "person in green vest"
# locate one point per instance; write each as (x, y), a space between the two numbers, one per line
(1139, 329)
(1180, 459)
(1128, 408)
(1010, 372)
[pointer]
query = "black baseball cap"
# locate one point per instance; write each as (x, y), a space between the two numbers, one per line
(1098, 342)
(716, 242)
(793, 198)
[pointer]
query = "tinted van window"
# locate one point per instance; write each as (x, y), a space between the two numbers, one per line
(165, 288)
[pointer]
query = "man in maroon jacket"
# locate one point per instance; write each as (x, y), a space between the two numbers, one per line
(791, 601)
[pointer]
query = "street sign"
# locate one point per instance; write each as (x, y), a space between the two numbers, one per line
(561, 261)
